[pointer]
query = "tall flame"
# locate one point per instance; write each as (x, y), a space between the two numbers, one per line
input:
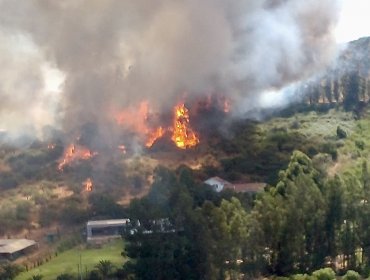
(74, 152)
(88, 185)
(153, 136)
(183, 135)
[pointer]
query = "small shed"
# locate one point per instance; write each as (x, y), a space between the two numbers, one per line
(13, 248)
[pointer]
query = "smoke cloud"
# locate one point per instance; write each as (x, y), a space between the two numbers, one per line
(65, 63)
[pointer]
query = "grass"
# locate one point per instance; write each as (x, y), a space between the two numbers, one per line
(67, 262)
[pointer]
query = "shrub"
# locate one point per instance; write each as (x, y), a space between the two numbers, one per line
(360, 144)
(351, 275)
(324, 274)
(66, 276)
(330, 149)
(341, 133)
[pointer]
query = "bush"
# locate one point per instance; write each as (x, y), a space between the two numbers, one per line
(360, 144)
(324, 274)
(330, 149)
(351, 275)
(66, 276)
(341, 133)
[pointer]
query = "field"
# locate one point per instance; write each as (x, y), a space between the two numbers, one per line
(67, 262)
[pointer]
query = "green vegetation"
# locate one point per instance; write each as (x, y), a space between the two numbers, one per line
(68, 261)
(9, 271)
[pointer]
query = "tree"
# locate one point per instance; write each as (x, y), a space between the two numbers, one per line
(353, 84)
(288, 220)
(334, 214)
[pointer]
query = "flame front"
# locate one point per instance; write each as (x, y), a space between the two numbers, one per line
(88, 185)
(153, 136)
(147, 124)
(183, 135)
(73, 153)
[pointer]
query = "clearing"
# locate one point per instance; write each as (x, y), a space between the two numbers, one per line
(68, 261)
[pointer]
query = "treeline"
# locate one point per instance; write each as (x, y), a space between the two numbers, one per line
(345, 82)
(350, 89)
(304, 223)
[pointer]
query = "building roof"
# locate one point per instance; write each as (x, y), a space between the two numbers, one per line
(217, 180)
(10, 246)
(247, 187)
(103, 223)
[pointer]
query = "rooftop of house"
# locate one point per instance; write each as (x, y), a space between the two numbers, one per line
(247, 187)
(218, 180)
(10, 246)
(115, 222)
(237, 187)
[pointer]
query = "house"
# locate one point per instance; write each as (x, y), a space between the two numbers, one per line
(218, 184)
(105, 229)
(247, 187)
(11, 249)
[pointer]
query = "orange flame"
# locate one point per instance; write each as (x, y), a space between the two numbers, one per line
(141, 121)
(88, 185)
(153, 136)
(183, 136)
(138, 120)
(134, 118)
(73, 153)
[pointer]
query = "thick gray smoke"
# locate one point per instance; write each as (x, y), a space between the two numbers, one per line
(108, 54)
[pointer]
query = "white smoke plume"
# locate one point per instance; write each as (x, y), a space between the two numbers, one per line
(108, 54)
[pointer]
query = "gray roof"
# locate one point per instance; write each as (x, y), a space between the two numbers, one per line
(10, 246)
(102, 223)
(217, 180)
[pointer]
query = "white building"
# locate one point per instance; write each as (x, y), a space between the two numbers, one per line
(105, 228)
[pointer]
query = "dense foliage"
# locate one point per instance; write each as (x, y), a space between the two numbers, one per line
(305, 222)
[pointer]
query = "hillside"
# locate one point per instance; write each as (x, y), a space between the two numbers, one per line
(44, 188)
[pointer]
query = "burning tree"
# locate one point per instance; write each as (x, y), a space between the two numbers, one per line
(183, 135)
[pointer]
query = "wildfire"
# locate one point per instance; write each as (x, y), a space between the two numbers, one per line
(134, 118)
(147, 125)
(153, 136)
(138, 120)
(88, 185)
(183, 136)
(74, 152)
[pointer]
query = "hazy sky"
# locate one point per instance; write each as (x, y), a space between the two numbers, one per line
(354, 21)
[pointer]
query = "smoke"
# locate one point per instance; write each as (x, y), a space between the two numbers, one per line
(109, 54)
(29, 91)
